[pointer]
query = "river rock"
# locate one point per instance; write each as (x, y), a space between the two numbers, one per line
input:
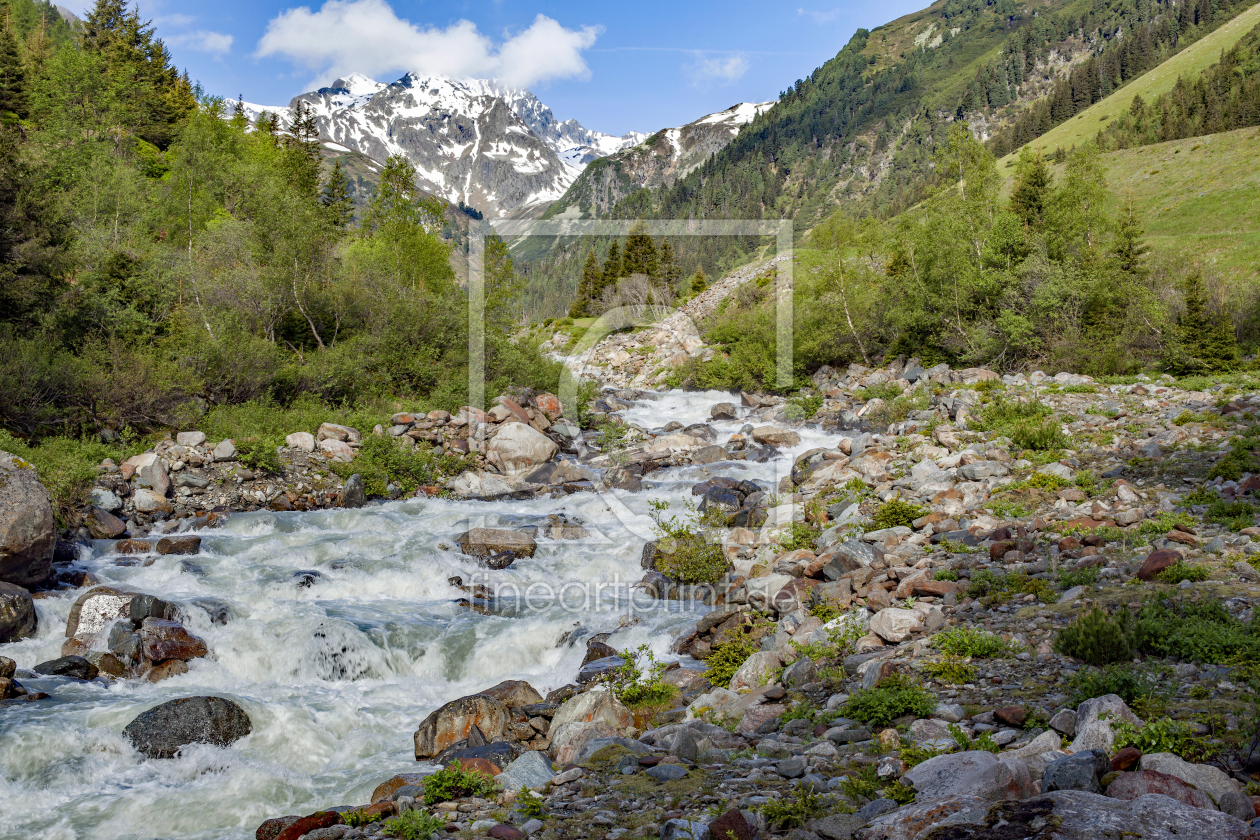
(532, 770)
(774, 436)
(304, 441)
(1063, 815)
(1203, 776)
(28, 531)
(99, 606)
(74, 667)
(162, 640)
(1094, 733)
(514, 694)
(595, 705)
(103, 525)
(452, 723)
(1080, 771)
(179, 545)
(896, 625)
(518, 447)
(190, 438)
(150, 473)
(1143, 782)
(332, 431)
(353, 494)
(756, 670)
(484, 542)
(17, 614)
(974, 772)
(161, 731)
(150, 501)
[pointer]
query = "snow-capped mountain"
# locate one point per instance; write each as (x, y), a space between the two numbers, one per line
(660, 160)
(494, 147)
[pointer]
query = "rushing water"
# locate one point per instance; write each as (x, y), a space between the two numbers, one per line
(335, 677)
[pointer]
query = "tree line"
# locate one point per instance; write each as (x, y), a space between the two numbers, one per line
(159, 256)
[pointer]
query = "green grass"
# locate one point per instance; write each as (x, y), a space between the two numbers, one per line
(1191, 61)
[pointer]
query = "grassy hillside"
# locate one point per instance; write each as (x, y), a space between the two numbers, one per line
(1085, 126)
(1198, 197)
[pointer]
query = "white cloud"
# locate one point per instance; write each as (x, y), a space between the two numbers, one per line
(820, 17)
(706, 71)
(203, 41)
(366, 36)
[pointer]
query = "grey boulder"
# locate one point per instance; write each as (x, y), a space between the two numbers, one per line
(163, 730)
(17, 614)
(28, 532)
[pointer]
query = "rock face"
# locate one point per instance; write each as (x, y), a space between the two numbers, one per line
(28, 531)
(1202, 776)
(452, 723)
(163, 730)
(518, 447)
(1144, 782)
(17, 614)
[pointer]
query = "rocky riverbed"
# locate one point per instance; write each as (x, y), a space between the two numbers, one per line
(878, 654)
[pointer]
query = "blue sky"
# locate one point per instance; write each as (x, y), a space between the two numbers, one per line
(614, 67)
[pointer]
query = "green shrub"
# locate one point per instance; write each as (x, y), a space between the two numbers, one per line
(358, 819)
(259, 455)
(529, 804)
(793, 811)
(894, 697)
(383, 461)
(968, 641)
(902, 794)
(1180, 571)
(1087, 576)
(1200, 496)
(883, 391)
(1097, 638)
(686, 555)
(894, 513)
(951, 670)
(1045, 481)
(638, 682)
(1163, 735)
(725, 660)
(456, 783)
(966, 744)
(1196, 631)
(1233, 515)
(1136, 685)
(799, 535)
(414, 825)
(945, 574)
(1044, 436)
(861, 783)
(803, 406)
(67, 467)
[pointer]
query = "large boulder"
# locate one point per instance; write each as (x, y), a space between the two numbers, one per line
(17, 614)
(96, 608)
(1093, 731)
(531, 770)
(1203, 776)
(518, 447)
(895, 625)
(162, 640)
(594, 705)
(163, 730)
(1061, 815)
(975, 773)
(514, 694)
(28, 531)
(150, 473)
(451, 724)
(774, 436)
(1144, 782)
(756, 670)
(483, 542)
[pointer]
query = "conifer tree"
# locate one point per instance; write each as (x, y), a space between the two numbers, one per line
(1032, 188)
(592, 279)
(267, 123)
(670, 272)
(13, 94)
(239, 119)
(1129, 251)
(1201, 343)
(336, 197)
(698, 281)
(640, 254)
(302, 143)
(612, 268)
(38, 48)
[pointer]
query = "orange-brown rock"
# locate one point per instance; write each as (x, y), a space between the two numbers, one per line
(1157, 561)
(386, 789)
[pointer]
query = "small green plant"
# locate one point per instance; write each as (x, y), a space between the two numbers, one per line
(914, 755)
(984, 742)
(1196, 631)
(861, 783)
(803, 406)
(1098, 638)
(725, 660)
(899, 793)
(945, 574)
(883, 391)
(896, 696)
(1200, 496)
(413, 825)
(951, 670)
(841, 641)
(638, 683)
(967, 641)
(1046, 481)
(1233, 515)
(799, 535)
(259, 455)
(383, 461)
(1087, 576)
(686, 555)
(1162, 735)
(793, 811)
(826, 611)
(529, 804)
(896, 512)
(1136, 685)
(455, 783)
(1180, 571)
(358, 819)
(803, 710)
